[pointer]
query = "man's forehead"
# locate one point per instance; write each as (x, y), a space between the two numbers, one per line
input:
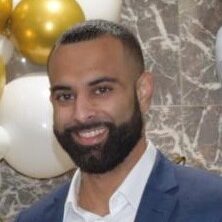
(105, 53)
(105, 49)
(103, 42)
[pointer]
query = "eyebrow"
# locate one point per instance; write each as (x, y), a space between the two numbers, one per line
(58, 87)
(92, 83)
(102, 80)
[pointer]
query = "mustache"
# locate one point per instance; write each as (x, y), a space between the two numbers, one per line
(88, 126)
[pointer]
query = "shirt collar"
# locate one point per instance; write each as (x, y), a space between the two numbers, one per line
(72, 198)
(140, 172)
(138, 177)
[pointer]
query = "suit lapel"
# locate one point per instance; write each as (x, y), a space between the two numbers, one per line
(55, 210)
(159, 196)
(59, 207)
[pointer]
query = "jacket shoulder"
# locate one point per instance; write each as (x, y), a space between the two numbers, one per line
(200, 184)
(196, 193)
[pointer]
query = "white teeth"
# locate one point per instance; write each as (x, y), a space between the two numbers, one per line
(92, 133)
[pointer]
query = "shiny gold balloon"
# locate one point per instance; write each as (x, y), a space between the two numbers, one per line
(2, 75)
(36, 24)
(5, 11)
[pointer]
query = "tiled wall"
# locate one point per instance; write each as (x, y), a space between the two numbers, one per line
(178, 40)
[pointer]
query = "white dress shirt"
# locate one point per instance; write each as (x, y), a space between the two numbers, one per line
(124, 202)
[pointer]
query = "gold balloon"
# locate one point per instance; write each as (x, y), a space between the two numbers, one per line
(5, 11)
(2, 75)
(36, 24)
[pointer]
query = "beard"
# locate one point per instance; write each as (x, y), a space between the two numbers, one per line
(103, 157)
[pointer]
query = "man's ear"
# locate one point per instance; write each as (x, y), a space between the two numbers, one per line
(144, 90)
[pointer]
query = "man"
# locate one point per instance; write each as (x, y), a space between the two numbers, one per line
(99, 92)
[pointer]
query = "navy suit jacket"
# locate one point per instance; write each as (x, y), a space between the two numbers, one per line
(173, 193)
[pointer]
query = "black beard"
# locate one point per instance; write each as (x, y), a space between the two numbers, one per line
(101, 158)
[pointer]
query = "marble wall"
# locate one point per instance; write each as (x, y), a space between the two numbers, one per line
(185, 118)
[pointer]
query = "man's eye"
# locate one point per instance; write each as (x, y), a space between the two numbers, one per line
(63, 97)
(102, 90)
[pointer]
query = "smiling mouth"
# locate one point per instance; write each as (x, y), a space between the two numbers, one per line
(91, 136)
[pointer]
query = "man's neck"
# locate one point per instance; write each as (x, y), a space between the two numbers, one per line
(96, 189)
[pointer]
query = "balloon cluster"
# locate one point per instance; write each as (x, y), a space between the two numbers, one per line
(2, 74)
(5, 9)
(28, 31)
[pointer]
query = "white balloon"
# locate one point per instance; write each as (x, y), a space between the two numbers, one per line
(15, 3)
(4, 142)
(101, 9)
(6, 48)
(26, 126)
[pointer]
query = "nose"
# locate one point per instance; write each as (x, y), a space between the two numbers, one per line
(84, 109)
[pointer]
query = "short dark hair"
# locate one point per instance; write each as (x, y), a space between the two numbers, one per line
(93, 29)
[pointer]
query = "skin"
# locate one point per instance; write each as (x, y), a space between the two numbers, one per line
(96, 80)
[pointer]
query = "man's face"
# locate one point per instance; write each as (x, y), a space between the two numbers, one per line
(105, 155)
(97, 118)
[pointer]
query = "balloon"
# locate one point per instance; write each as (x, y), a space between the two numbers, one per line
(5, 140)
(6, 48)
(15, 3)
(101, 9)
(5, 11)
(27, 142)
(20, 66)
(2, 75)
(36, 25)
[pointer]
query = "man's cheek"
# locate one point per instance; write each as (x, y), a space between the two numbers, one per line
(59, 123)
